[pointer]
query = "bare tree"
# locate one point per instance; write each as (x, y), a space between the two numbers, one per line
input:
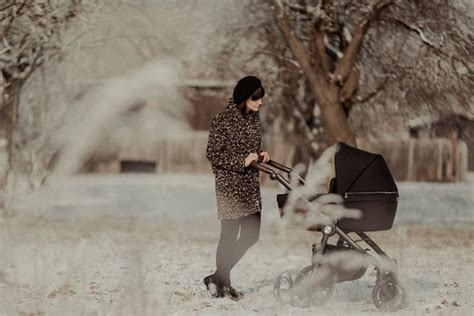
(342, 64)
(87, 47)
(333, 54)
(30, 33)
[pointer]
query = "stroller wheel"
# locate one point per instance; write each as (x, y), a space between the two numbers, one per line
(388, 296)
(320, 288)
(290, 288)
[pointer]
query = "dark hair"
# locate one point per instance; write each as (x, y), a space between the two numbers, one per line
(258, 94)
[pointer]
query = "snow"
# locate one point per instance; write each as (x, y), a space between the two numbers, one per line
(136, 244)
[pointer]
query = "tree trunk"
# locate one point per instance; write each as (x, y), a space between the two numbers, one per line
(8, 118)
(325, 92)
(333, 116)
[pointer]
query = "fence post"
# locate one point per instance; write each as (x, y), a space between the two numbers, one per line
(3, 176)
(439, 161)
(411, 149)
(463, 161)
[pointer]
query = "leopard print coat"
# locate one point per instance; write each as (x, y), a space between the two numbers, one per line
(232, 136)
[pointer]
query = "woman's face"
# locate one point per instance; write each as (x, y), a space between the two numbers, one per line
(254, 105)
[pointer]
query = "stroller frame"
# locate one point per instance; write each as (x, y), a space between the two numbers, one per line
(387, 293)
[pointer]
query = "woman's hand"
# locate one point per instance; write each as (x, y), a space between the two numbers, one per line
(265, 155)
(250, 158)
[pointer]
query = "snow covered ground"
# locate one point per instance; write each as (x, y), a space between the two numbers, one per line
(141, 244)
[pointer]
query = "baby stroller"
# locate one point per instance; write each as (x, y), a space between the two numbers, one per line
(365, 183)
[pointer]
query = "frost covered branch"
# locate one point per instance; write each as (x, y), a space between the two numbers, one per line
(31, 34)
(371, 95)
(347, 62)
(332, 48)
(315, 75)
(417, 30)
(283, 58)
(312, 11)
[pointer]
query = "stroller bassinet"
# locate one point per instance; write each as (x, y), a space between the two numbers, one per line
(365, 183)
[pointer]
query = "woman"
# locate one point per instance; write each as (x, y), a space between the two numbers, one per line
(234, 143)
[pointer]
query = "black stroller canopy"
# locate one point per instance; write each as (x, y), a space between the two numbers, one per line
(361, 171)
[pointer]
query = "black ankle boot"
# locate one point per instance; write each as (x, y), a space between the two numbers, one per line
(212, 285)
(230, 292)
(239, 293)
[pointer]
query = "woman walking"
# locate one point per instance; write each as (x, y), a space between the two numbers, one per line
(234, 143)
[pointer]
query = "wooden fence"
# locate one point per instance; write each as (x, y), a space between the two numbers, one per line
(430, 159)
(435, 159)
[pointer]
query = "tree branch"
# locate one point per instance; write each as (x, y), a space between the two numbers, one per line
(371, 95)
(320, 43)
(296, 8)
(350, 85)
(333, 49)
(310, 11)
(417, 30)
(285, 59)
(6, 6)
(316, 76)
(347, 62)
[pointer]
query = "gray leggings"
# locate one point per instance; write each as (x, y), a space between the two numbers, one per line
(231, 249)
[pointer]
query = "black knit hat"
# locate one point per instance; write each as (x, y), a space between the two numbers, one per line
(245, 88)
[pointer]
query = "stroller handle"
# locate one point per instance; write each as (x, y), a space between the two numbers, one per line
(263, 168)
(273, 175)
(276, 176)
(279, 166)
